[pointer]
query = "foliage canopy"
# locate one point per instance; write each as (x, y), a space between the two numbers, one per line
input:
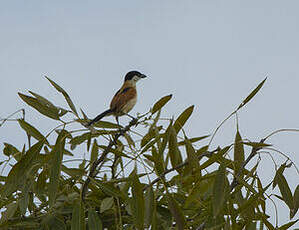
(153, 176)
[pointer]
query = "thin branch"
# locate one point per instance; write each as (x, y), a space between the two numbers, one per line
(216, 130)
(281, 130)
(7, 118)
(93, 168)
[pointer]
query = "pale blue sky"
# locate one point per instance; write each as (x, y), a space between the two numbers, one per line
(207, 53)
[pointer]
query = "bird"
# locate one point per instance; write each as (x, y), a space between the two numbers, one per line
(124, 99)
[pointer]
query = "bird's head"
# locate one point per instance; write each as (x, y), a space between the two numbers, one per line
(133, 76)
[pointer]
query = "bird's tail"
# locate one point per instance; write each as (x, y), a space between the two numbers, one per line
(99, 117)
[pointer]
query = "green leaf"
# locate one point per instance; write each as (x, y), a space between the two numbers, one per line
(9, 149)
(219, 190)
(94, 221)
(158, 159)
(11, 208)
(198, 189)
(75, 173)
(296, 201)
(106, 204)
(78, 216)
(94, 151)
(31, 131)
(256, 144)
(176, 211)
(149, 206)
(41, 182)
(288, 225)
(267, 223)
(148, 137)
(51, 221)
(174, 152)
(24, 200)
(86, 136)
(15, 178)
(84, 115)
(252, 94)
(66, 96)
(193, 140)
(191, 154)
(214, 158)
(285, 190)
(280, 170)
(106, 125)
(40, 107)
(160, 103)
(138, 201)
(238, 152)
(181, 120)
(129, 140)
(49, 104)
(56, 155)
(109, 189)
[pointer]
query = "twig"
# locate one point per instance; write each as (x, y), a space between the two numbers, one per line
(7, 118)
(281, 130)
(93, 168)
(219, 126)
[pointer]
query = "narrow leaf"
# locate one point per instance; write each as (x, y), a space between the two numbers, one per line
(9, 149)
(192, 157)
(149, 206)
(280, 170)
(106, 204)
(15, 178)
(109, 189)
(78, 222)
(138, 202)
(238, 152)
(176, 212)
(129, 139)
(288, 225)
(94, 151)
(219, 190)
(66, 96)
(49, 104)
(174, 152)
(285, 190)
(148, 137)
(193, 140)
(296, 201)
(56, 155)
(40, 107)
(252, 94)
(160, 103)
(181, 120)
(94, 221)
(256, 144)
(30, 130)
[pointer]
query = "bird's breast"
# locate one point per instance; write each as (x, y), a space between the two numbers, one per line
(129, 105)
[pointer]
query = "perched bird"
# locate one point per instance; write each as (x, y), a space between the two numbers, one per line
(124, 99)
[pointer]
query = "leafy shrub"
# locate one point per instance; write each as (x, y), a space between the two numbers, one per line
(157, 179)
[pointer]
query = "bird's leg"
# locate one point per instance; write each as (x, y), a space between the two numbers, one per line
(134, 118)
(117, 121)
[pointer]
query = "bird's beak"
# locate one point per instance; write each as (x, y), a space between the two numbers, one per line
(143, 76)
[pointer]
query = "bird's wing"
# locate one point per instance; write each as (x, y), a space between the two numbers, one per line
(121, 98)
